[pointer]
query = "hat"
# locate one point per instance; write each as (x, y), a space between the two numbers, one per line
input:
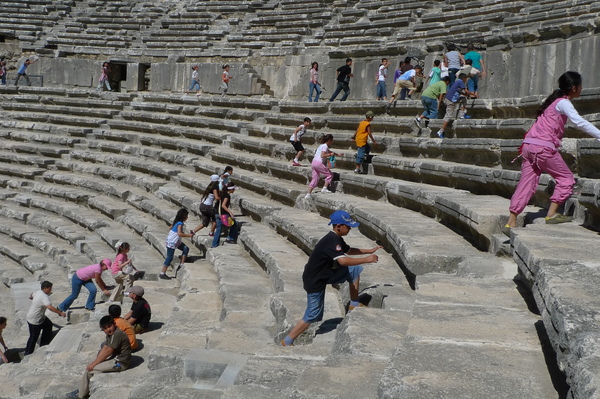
(370, 114)
(214, 178)
(137, 290)
(342, 217)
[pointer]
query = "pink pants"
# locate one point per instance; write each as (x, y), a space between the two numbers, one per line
(318, 168)
(538, 159)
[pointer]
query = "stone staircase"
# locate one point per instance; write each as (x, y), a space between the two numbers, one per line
(437, 289)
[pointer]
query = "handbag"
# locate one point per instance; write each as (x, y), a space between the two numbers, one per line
(128, 269)
(226, 220)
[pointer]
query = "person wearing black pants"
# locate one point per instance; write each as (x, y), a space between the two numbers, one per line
(37, 320)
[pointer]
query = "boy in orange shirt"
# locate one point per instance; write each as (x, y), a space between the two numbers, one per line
(362, 135)
(115, 312)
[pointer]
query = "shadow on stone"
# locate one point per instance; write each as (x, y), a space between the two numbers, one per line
(135, 362)
(559, 380)
(329, 325)
(14, 355)
(526, 294)
(155, 325)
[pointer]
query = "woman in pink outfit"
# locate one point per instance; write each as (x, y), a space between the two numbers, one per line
(540, 150)
(319, 165)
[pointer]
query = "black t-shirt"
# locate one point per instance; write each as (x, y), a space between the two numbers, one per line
(141, 312)
(320, 264)
(344, 74)
(223, 196)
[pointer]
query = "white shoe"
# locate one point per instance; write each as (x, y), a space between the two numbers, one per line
(307, 196)
(325, 190)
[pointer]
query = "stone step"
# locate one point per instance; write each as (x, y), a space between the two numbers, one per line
(559, 264)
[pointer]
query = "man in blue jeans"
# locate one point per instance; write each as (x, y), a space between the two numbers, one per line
(343, 74)
(328, 264)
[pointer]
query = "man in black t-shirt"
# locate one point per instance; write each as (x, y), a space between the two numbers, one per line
(140, 313)
(343, 74)
(328, 264)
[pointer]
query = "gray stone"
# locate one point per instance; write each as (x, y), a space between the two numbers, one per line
(213, 369)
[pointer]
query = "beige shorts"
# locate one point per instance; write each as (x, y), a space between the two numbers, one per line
(451, 110)
(402, 84)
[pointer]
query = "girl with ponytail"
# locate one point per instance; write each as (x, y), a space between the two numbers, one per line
(540, 150)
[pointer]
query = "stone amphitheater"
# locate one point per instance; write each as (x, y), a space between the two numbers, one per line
(455, 308)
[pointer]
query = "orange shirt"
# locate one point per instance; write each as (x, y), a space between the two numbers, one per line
(127, 329)
(362, 133)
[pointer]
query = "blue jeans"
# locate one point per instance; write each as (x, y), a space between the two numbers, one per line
(315, 301)
(194, 83)
(472, 84)
(403, 93)
(313, 86)
(362, 152)
(341, 86)
(76, 284)
(234, 231)
(452, 75)
(171, 253)
(381, 92)
(431, 107)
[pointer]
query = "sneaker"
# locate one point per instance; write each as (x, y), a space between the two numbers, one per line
(558, 218)
(465, 116)
(506, 230)
(296, 164)
(211, 234)
(307, 196)
(164, 277)
(230, 241)
(325, 190)
(418, 122)
(358, 171)
(440, 134)
(360, 305)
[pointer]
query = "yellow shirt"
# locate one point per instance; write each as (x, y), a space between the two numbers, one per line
(362, 133)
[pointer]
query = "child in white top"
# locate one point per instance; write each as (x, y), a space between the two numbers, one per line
(296, 140)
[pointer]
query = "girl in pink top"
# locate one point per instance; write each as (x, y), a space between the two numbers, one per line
(83, 278)
(314, 84)
(123, 279)
(540, 150)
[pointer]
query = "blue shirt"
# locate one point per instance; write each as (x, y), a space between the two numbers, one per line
(475, 57)
(408, 75)
(22, 68)
(454, 91)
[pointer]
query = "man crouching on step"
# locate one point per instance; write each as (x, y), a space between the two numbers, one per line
(328, 264)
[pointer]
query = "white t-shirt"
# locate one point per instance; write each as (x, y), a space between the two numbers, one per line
(210, 198)
(382, 73)
(322, 148)
(195, 75)
(565, 107)
(37, 311)
(300, 133)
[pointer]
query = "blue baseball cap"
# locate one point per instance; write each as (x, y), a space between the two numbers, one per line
(343, 217)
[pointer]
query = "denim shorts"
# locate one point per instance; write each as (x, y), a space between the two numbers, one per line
(362, 152)
(315, 301)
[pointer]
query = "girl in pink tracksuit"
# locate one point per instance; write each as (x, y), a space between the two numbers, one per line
(540, 150)
(319, 165)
